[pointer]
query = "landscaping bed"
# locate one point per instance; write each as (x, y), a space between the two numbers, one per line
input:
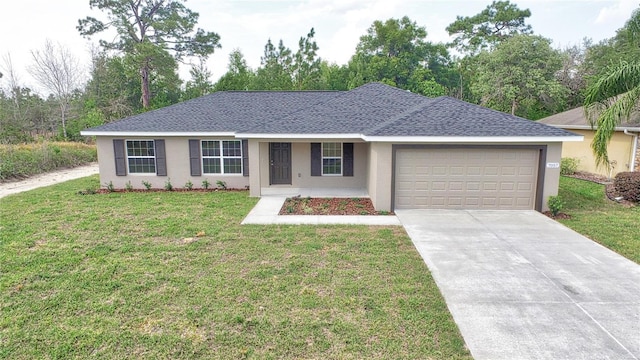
(329, 206)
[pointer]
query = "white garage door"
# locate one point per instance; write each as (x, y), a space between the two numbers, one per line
(466, 178)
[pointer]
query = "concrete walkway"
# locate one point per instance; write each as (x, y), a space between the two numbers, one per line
(522, 286)
(46, 179)
(266, 212)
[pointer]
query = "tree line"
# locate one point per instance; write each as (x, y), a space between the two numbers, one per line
(495, 59)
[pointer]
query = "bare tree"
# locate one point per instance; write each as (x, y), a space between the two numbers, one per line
(58, 71)
(17, 112)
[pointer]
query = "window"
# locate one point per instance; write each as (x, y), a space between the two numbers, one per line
(222, 156)
(331, 158)
(141, 156)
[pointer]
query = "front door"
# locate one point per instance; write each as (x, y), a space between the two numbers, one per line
(280, 163)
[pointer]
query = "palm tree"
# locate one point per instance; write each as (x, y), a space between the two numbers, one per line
(614, 97)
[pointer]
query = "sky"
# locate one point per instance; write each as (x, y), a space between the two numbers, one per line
(248, 24)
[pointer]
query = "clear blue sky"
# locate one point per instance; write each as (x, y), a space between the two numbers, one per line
(247, 24)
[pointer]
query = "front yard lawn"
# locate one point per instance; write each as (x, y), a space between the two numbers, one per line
(593, 215)
(174, 275)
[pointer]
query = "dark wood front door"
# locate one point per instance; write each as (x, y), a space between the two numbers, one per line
(280, 163)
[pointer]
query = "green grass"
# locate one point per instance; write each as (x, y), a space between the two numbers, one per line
(123, 275)
(593, 215)
(23, 160)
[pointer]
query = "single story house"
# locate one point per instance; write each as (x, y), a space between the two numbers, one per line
(624, 148)
(402, 149)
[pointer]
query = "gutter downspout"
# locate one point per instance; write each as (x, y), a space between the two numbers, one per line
(634, 150)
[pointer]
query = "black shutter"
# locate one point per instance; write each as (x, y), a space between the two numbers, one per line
(161, 158)
(119, 155)
(347, 159)
(194, 157)
(245, 157)
(316, 159)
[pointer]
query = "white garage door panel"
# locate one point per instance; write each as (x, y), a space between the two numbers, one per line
(466, 178)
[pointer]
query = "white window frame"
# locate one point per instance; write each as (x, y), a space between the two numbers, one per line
(341, 158)
(155, 163)
(221, 157)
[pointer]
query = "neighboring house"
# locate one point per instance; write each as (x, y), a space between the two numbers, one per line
(624, 148)
(402, 149)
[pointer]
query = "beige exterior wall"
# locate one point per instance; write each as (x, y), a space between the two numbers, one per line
(551, 175)
(178, 169)
(620, 149)
(637, 162)
(380, 174)
(255, 149)
(301, 166)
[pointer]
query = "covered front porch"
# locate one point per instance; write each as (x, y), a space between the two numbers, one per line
(297, 167)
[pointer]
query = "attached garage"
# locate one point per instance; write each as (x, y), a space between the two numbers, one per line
(468, 177)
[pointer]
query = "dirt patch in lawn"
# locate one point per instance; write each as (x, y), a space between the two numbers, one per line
(329, 206)
(599, 179)
(558, 216)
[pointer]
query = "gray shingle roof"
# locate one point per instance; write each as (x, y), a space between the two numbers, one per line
(224, 111)
(446, 116)
(373, 109)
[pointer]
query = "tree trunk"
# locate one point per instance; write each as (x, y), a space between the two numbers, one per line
(63, 110)
(144, 82)
(514, 106)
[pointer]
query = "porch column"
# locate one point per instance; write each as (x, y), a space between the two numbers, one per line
(254, 168)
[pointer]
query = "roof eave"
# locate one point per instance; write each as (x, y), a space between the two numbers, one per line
(157, 133)
(297, 136)
(472, 139)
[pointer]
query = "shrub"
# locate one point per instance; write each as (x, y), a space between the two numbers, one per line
(206, 183)
(221, 184)
(147, 185)
(188, 185)
(24, 160)
(168, 186)
(110, 186)
(627, 184)
(569, 166)
(128, 186)
(555, 204)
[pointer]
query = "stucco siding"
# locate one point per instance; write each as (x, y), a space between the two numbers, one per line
(637, 159)
(178, 168)
(620, 149)
(255, 173)
(380, 175)
(551, 174)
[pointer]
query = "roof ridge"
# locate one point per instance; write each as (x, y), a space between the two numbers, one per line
(321, 101)
(427, 101)
(278, 91)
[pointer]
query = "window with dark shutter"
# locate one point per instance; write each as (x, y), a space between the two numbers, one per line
(161, 158)
(316, 159)
(347, 160)
(245, 157)
(194, 157)
(120, 158)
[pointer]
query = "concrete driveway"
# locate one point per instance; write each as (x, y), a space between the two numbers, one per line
(522, 286)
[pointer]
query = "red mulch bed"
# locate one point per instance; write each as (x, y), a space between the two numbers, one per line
(107, 191)
(329, 206)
